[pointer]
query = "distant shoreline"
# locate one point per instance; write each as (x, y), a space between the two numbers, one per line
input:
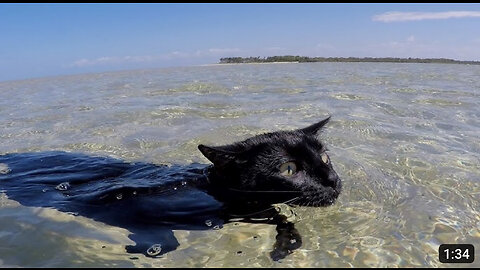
(305, 59)
(253, 63)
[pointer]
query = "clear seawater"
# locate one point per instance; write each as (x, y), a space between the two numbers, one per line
(404, 138)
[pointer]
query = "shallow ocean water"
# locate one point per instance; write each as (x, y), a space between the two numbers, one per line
(404, 139)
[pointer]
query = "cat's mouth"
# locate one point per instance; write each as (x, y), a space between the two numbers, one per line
(268, 196)
(312, 197)
(317, 198)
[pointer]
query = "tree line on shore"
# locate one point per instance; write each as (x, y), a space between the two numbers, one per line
(306, 59)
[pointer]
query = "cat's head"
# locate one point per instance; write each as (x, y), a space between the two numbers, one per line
(276, 167)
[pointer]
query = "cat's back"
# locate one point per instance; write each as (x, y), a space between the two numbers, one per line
(108, 189)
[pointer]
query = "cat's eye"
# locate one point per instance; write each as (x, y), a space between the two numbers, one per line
(288, 168)
(325, 158)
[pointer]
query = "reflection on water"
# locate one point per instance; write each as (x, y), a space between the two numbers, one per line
(403, 138)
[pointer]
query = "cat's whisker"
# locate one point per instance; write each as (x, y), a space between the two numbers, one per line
(291, 200)
(254, 213)
(267, 209)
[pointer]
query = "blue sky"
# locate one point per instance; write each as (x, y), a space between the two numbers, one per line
(38, 40)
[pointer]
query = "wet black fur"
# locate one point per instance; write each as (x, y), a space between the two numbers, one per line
(152, 200)
(253, 165)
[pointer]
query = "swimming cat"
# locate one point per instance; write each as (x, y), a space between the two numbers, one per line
(150, 200)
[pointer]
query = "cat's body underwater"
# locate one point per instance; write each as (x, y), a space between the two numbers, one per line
(149, 200)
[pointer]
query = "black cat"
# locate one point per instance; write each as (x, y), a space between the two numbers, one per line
(152, 200)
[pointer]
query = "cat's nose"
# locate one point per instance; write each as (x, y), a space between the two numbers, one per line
(332, 180)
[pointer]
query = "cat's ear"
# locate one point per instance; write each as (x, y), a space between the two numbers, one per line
(313, 129)
(217, 155)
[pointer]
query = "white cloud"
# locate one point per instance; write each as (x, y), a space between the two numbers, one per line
(106, 60)
(411, 39)
(109, 60)
(223, 50)
(395, 16)
(215, 52)
(80, 63)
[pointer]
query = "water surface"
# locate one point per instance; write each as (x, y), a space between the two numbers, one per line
(404, 138)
